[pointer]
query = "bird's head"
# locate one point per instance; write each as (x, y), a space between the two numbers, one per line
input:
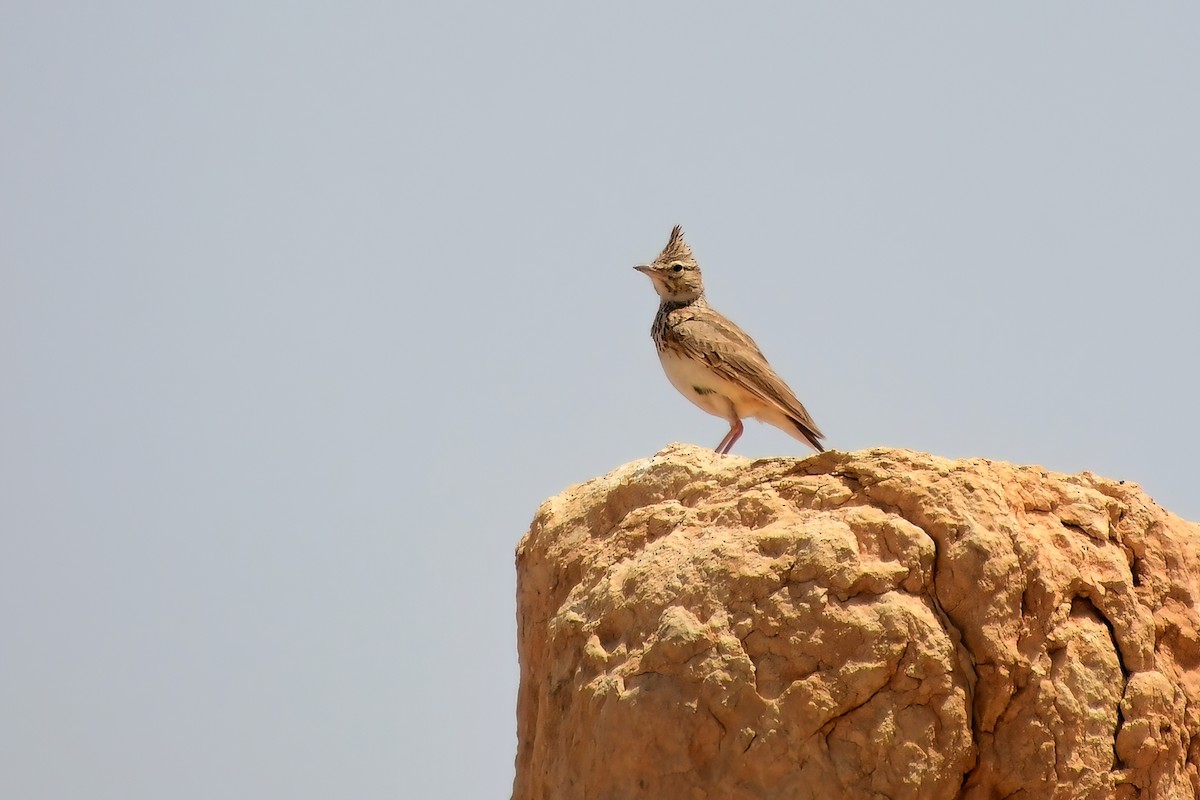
(675, 273)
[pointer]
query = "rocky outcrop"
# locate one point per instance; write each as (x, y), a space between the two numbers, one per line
(878, 624)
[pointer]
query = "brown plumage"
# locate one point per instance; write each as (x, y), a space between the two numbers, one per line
(712, 361)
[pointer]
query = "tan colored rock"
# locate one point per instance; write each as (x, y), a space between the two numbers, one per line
(879, 624)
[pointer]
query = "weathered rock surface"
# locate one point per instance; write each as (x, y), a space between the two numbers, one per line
(879, 624)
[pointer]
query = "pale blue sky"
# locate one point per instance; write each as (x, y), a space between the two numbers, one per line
(305, 308)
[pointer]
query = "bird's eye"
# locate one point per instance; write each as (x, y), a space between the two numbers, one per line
(677, 267)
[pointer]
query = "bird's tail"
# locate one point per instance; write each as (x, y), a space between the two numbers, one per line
(808, 434)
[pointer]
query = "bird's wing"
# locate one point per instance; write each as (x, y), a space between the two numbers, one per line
(707, 336)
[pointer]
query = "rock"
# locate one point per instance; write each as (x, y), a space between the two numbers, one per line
(879, 624)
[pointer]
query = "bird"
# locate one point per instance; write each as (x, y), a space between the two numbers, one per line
(712, 361)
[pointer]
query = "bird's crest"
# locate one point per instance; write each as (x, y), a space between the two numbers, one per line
(677, 249)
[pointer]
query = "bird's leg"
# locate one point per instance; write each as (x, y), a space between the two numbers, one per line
(735, 433)
(720, 448)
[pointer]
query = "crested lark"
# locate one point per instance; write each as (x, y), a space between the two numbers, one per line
(711, 361)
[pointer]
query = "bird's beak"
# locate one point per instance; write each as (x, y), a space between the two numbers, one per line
(646, 268)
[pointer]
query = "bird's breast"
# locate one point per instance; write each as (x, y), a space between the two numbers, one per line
(708, 390)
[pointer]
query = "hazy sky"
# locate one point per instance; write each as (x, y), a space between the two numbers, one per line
(304, 309)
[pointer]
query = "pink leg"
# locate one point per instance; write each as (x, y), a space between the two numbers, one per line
(735, 433)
